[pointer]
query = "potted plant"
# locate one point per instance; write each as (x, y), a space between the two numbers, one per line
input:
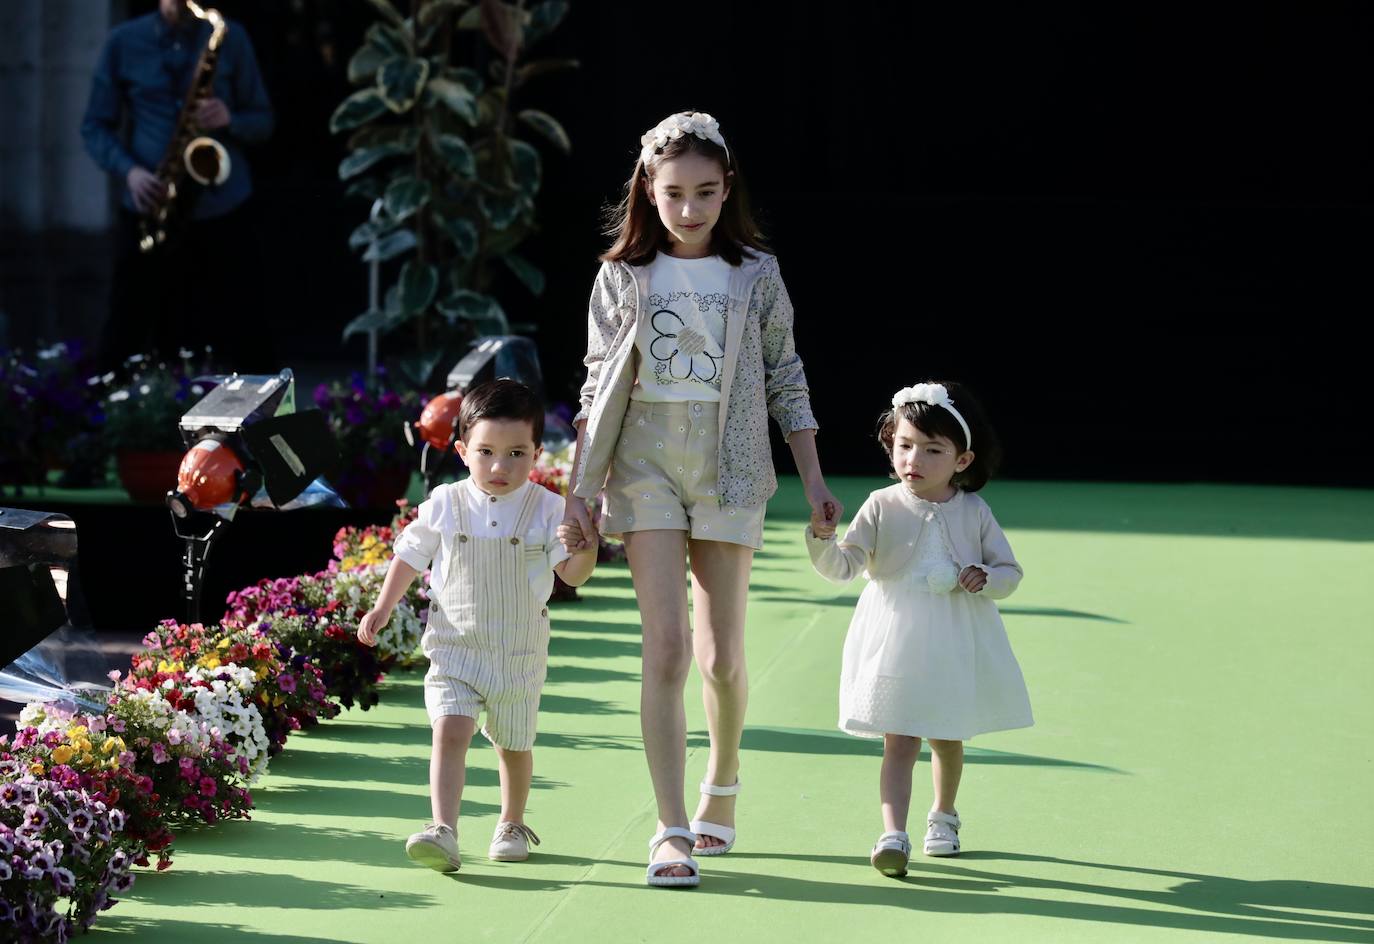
(141, 428)
(368, 420)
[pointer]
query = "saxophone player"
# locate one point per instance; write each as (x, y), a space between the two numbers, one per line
(190, 289)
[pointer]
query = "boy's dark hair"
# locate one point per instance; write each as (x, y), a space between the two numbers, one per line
(937, 421)
(501, 399)
(639, 233)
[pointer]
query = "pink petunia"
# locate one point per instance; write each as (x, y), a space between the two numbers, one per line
(160, 755)
(207, 786)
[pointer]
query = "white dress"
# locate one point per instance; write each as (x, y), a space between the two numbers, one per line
(924, 657)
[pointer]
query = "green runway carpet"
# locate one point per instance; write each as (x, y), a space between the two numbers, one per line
(1199, 659)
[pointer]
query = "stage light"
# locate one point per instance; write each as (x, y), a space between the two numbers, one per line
(247, 446)
(438, 423)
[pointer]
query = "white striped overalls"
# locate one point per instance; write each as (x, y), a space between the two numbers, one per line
(488, 637)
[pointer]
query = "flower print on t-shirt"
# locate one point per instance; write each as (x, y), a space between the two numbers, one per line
(688, 331)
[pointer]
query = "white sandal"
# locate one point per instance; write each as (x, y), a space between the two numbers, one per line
(725, 834)
(891, 853)
(942, 836)
(672, 881)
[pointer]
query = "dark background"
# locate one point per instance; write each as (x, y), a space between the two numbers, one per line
(1140, 231)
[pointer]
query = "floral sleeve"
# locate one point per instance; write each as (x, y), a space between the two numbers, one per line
(604, 317)
(784, 380)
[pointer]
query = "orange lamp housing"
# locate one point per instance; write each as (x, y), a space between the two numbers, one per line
(439, 418)
(210, 474)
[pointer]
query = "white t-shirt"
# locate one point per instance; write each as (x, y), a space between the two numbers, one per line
(681, 338)
(428, 537)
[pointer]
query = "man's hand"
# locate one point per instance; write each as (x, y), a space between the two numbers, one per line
(145, 188)
(212, 114)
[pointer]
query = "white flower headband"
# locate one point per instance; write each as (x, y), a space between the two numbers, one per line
(675, 126)
(934, 395)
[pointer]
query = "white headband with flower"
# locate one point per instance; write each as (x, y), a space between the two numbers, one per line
(675, 126)
(934, 395)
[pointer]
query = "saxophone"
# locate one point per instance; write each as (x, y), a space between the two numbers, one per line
(188, 152)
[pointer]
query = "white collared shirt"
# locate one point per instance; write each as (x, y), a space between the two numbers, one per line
(427, 540)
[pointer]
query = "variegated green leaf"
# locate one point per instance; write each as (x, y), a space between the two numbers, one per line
(418, 283)
(456, 153)
(526, 272)
(548, 126)
(404, 196)
(400, 80)
(455, 96)
(358, 108)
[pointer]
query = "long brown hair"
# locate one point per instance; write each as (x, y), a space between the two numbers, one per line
(639, 233)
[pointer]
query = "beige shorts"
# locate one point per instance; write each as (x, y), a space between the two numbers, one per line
(511, 716)
(664, 476)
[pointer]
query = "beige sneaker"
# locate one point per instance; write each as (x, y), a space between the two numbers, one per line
(511, 842)
(435, 846)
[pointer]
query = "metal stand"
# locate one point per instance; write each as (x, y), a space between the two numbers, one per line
(199, 530)
(431, 467)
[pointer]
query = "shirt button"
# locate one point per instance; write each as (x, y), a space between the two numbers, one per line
(701, 432)
(544, 611)
(515, 540)
(493, 524)
(463, 538)
(493, 497)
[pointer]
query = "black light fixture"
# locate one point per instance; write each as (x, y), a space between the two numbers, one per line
(507, 355)
(37, 561)
(247, 445)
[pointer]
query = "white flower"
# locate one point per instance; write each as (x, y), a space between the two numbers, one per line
(933, 394)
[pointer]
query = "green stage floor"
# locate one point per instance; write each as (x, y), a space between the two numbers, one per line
(1199, 659)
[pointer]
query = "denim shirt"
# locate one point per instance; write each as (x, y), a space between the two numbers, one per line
(763, 376)
(143, 74)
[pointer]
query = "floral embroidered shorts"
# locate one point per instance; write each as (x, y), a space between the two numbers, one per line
(664, 476)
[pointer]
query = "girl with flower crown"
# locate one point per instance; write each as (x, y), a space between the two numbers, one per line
(689, 352)
(926, 655)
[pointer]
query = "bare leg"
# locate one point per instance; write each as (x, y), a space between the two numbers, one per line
(720, 592)
(517, 770)
(448, 767)
(658, 566)
(894, 782)
(946, 770)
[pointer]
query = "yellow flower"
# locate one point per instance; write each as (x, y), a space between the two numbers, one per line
(119, 744)
(36, 768)
(75, 731)
(165, 666)
(261, 672)
(62, 754)
(82, 745)
(369, 540)
(223, 643)
(278, 701)
(107, 747)
(348, 563)
(210, 661)
(87, 760)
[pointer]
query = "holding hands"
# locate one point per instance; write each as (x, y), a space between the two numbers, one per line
(577, 531)
(826, 510)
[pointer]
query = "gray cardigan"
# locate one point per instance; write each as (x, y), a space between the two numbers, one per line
(763, 376)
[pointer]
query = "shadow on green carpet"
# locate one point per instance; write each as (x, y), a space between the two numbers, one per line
(263, 890)
(809, 741)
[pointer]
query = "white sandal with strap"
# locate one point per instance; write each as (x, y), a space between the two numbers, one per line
(672, 881)
(726, 834)
(891, 853)
(942, 836)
